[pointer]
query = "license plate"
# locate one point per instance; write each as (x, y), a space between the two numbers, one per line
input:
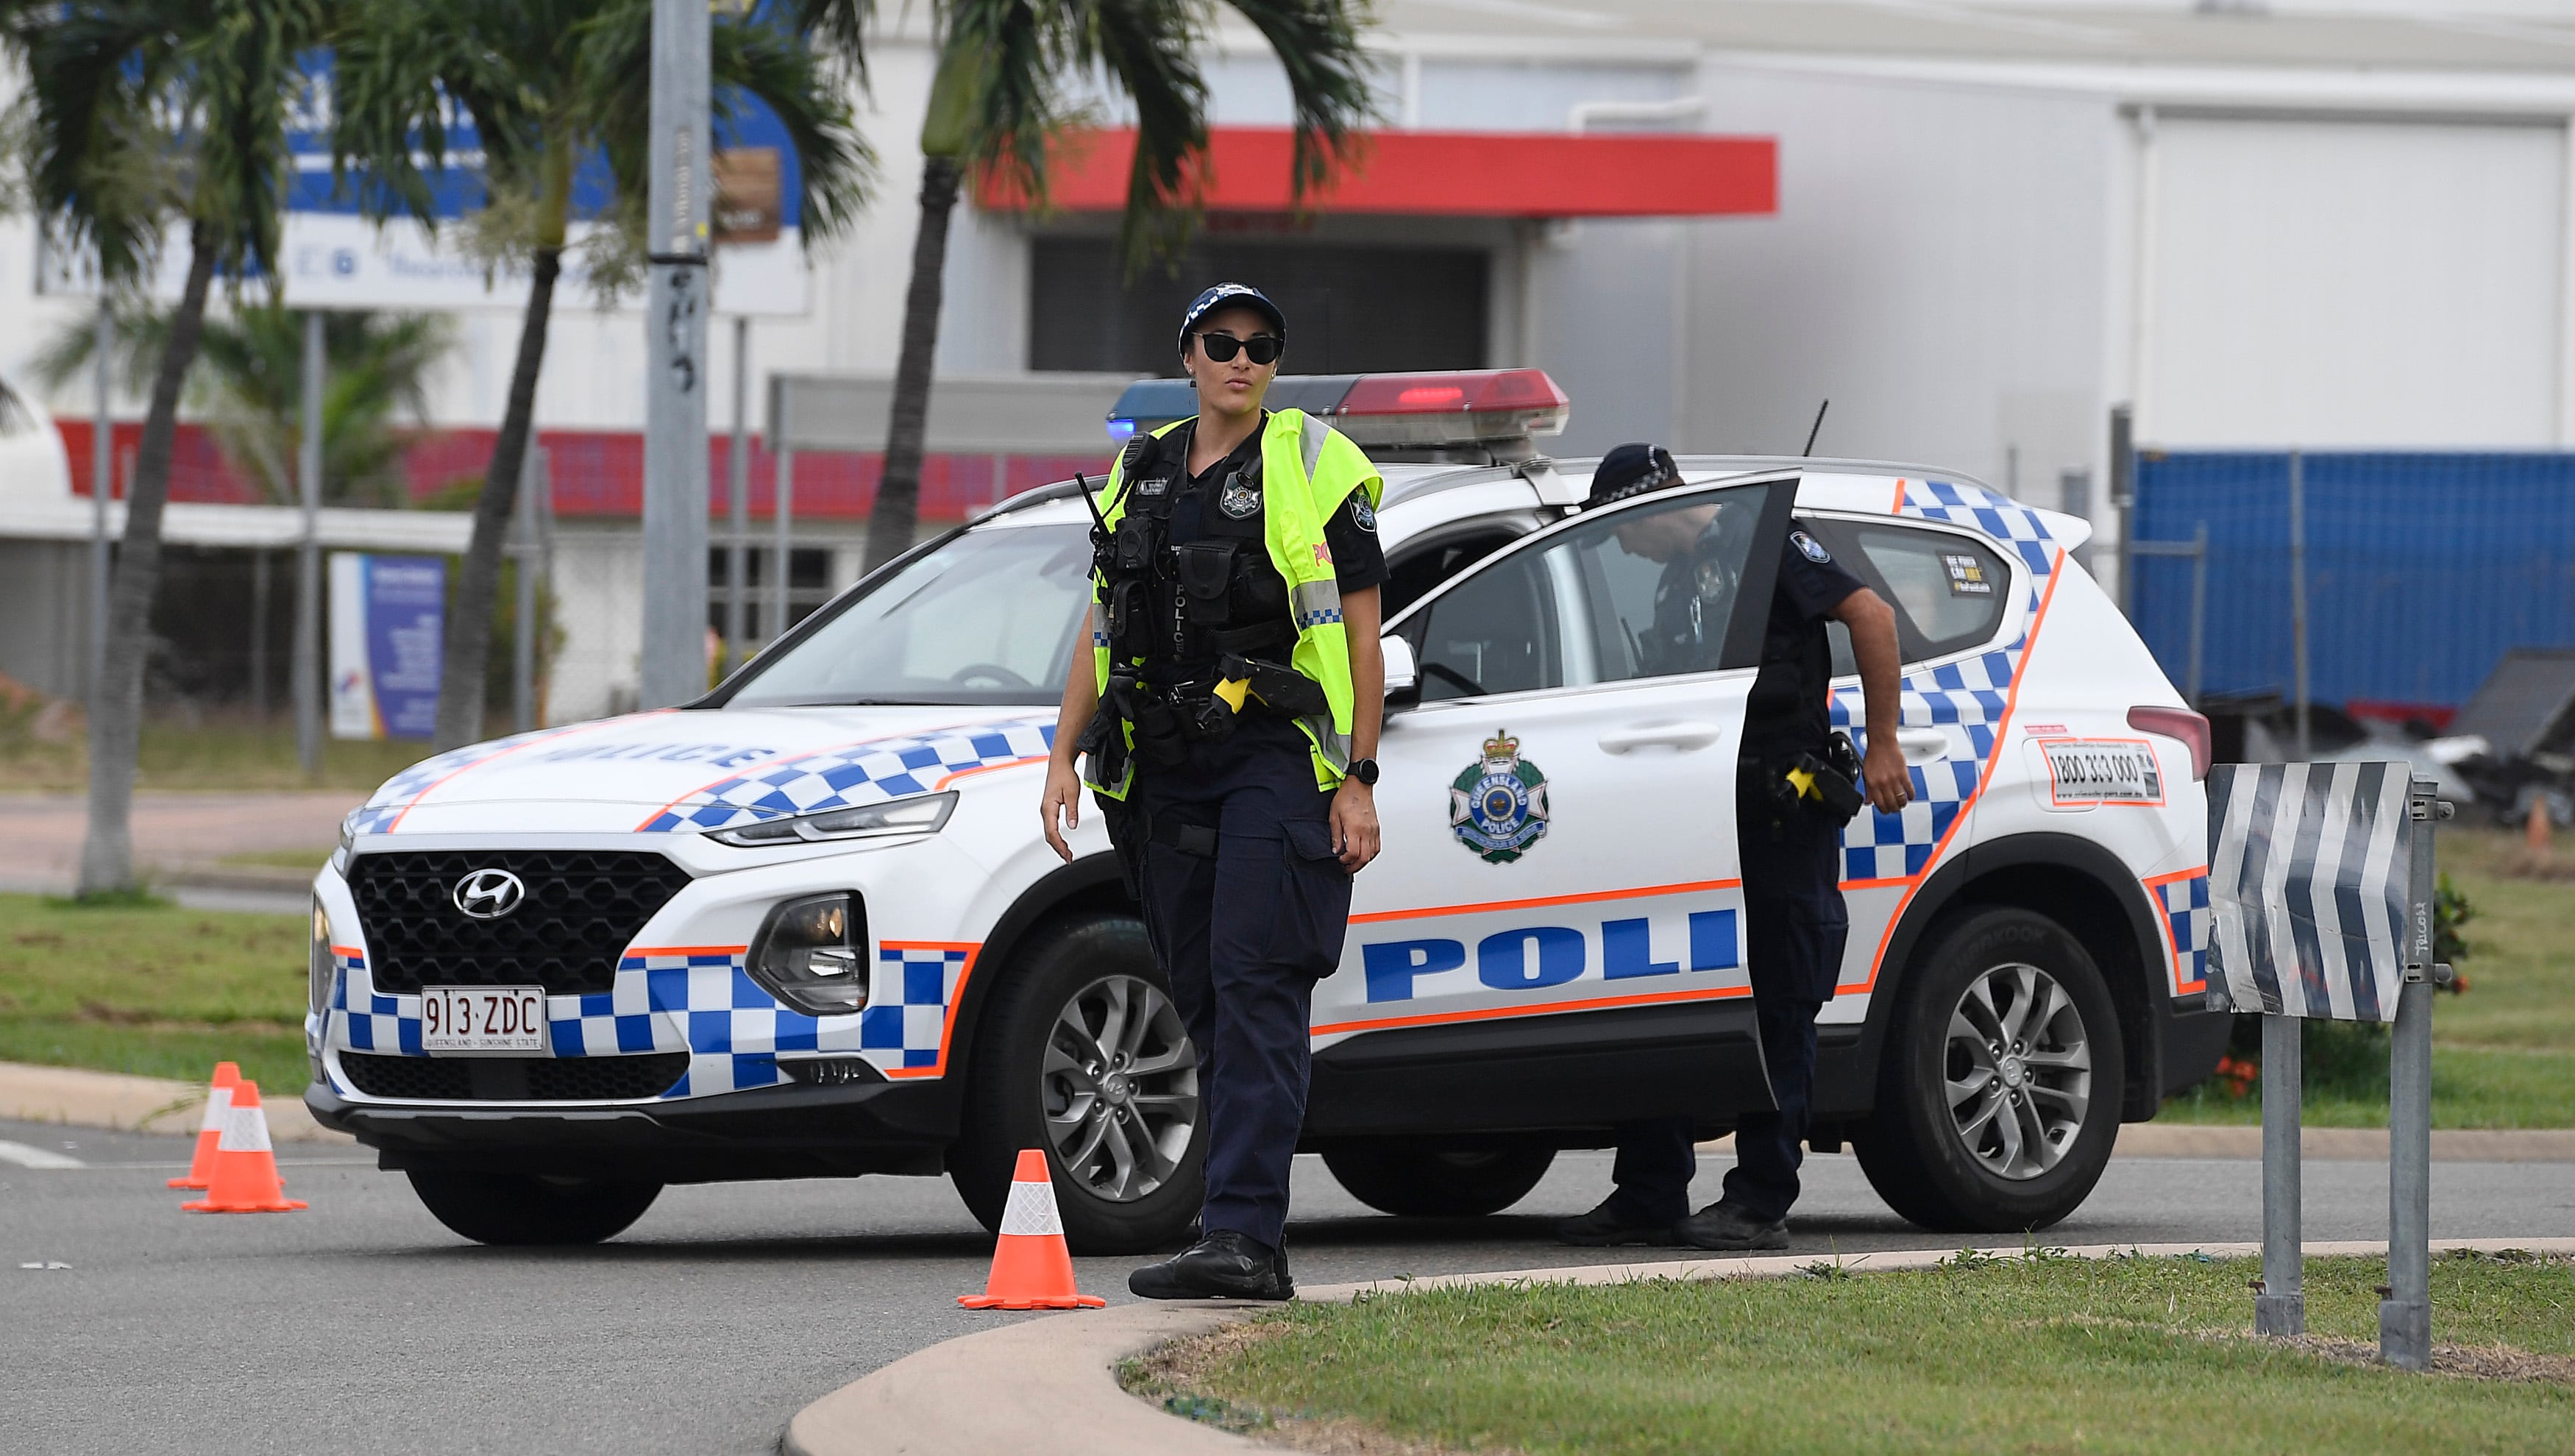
(482, 1018)
(2116, 771)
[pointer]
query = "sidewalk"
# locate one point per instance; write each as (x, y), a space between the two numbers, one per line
(178, 838)
(123, 1103)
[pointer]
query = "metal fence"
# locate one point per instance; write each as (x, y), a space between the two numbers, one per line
(2421, 569)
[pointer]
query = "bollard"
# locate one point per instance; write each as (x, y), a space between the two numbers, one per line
(2281, 1306)
(2405, 1315)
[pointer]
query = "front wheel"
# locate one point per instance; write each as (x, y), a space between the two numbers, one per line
(1418, 1178)
(1998, 1092)
(1082, 1053)
(522, 1208)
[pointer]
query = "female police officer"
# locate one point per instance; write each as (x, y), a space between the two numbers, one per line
(1230, 707)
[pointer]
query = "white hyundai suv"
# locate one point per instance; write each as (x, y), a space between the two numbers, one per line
(807, 925)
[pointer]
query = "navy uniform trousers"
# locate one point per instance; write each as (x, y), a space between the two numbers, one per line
(1795, 929)
(1244, 921)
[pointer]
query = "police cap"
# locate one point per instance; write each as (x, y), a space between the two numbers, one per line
(1232, 296)
(1631, 470)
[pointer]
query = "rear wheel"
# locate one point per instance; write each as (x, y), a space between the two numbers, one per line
(1418, 1178)
(1082, 1054)
(522, 1208)
(1998, 1092)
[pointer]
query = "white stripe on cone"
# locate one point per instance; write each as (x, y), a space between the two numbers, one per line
(1031, 1212)
(219, 1107)
(246, 1130)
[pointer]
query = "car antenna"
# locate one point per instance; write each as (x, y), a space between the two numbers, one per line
(1815, 430)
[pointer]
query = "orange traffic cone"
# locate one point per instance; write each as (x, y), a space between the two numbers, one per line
(245, 1179)
(219, 1103)
(1031, 1268)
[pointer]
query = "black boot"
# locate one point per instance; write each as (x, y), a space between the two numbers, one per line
(1610, 1224)
(1222, 1265)
(1731, 1226)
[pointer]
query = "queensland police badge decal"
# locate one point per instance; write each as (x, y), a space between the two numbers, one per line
(1497, 806)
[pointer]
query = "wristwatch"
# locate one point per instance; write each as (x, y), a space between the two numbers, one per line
(1364, 771)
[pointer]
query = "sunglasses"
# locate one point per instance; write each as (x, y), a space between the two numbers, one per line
(1263, 348)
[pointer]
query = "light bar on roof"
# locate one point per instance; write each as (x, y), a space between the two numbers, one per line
(1464, 407)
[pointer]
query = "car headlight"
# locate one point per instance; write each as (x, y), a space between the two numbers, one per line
(812, 955)
(923, 813)
(348, 842)
(318, 964)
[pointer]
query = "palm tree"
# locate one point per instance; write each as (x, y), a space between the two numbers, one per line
(999, 100)
(140, 114)
(248, 382)
(545, 85)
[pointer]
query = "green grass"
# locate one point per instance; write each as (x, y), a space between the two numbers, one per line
(2504, 1051)
(2128, 1355)
(218, 755)
(152, 989)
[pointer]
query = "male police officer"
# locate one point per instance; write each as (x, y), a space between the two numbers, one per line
(1230, 705)
(1790, 841)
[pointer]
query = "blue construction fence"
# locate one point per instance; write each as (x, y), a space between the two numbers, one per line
(2423, 567)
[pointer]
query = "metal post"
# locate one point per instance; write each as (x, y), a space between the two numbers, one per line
(674, 331)
(786, 515)
(523, 624)
(2281, 1306)
(102, 484)
(2298, 593)
(307, 664)
(2198, 606)
(738, 499)
(2123, 500)
(2074, 498)
(259, 575)
(2405, 1315)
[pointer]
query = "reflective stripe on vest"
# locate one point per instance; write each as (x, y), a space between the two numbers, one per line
(1306, 470)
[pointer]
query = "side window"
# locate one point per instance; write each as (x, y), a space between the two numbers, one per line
(1949, 592)
(1412, 570)
(1641, 592)
(1497, 631)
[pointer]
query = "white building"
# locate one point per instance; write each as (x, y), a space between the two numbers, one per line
(1992, 223)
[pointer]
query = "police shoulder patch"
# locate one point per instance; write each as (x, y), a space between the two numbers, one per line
(1810, 548)
(1363, 513)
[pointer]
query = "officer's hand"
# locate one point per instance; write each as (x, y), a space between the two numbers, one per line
(1889, 786)
(1354, 824)
(1063, 795)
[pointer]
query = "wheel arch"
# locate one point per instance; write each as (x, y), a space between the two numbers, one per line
(2081, 887)
(1088, 883)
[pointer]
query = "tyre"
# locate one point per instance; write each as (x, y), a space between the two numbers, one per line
(522, 1208)
(1082, 1052)
(1999, 1087)
(1417, 1178)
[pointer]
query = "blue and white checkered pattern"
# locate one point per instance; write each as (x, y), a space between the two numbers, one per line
(1969, 698)
(705, 1003)
(398, 793)
(855, 774)
(2187, 913)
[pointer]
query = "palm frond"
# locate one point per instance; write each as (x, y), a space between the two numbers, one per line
(1318, 42)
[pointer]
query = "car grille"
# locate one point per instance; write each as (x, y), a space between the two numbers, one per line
(513, 1078)
(583, 908)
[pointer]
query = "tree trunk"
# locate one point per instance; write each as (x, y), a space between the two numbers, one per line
(898, 508)
(115, 706)
(468, 643)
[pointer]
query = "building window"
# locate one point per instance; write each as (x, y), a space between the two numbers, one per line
(1351, 308)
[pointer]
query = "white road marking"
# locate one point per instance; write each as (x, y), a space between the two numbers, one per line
(36, 1157)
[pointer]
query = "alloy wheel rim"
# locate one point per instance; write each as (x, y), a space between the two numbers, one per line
(2017, 1071)
(1119, 1088)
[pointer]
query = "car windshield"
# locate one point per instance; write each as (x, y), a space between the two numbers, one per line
(986, 619)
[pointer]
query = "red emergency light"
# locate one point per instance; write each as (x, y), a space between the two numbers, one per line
(1446, 409)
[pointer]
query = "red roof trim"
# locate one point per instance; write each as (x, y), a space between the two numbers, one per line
(1456, 173)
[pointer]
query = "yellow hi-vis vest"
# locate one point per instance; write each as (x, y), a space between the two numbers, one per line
(1307, 468)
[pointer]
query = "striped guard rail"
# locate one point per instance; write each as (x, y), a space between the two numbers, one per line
(2308, 865)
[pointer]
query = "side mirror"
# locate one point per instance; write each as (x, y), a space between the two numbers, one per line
(1403, 673)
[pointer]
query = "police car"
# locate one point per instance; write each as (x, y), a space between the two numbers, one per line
(807, 926)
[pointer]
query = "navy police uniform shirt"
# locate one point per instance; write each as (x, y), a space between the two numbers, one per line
(1790, 712)
(1359, 558)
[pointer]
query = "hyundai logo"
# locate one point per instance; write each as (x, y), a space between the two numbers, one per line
(488, 894)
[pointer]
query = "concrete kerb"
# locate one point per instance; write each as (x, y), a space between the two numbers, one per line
(120, 1103)
(1050, 1384)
